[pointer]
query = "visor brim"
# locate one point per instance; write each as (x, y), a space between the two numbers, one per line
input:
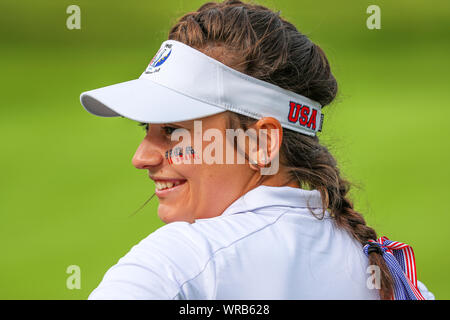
(145, 101)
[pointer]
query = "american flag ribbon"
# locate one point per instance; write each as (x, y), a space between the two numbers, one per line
(400, 260)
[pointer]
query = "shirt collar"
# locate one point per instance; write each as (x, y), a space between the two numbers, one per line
(265, 196)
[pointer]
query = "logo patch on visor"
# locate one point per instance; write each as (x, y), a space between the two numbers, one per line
(161, 57)
(303, 115)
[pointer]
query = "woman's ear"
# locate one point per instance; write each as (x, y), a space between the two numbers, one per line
(270, 136)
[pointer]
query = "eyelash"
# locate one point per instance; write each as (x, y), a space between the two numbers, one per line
(165, 129)
(145, 125)
(171, 129)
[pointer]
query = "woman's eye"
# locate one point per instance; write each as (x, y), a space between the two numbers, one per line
(145, 125)
(168, 130)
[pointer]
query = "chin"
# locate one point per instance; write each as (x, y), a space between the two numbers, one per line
(167, 216)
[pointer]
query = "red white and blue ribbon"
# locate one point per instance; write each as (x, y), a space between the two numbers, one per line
(400, 260)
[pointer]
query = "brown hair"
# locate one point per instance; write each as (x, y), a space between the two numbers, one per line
(258, 42)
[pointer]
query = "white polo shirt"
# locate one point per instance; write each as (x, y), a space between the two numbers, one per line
(266, 245)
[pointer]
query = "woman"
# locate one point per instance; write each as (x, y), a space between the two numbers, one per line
(256, 213)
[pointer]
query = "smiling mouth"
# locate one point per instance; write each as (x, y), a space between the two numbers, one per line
(167, 185)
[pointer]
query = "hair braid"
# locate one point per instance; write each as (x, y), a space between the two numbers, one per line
(352, 221)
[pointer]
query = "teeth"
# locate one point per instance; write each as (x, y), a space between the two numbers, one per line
(159, 185)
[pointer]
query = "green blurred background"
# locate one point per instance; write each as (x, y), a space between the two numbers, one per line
(68, 187)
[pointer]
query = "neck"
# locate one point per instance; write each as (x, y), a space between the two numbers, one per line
(281, 179)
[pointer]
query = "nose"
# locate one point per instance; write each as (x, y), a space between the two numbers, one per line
(147, 155)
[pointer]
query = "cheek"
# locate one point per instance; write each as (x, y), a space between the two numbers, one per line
(214, 183)
(215, 189)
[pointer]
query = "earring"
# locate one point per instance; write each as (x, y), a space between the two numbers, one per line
(263, 159)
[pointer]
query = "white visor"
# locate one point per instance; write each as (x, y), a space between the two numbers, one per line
(182, 83)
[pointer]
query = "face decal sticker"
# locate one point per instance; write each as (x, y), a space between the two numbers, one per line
(178, 155)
